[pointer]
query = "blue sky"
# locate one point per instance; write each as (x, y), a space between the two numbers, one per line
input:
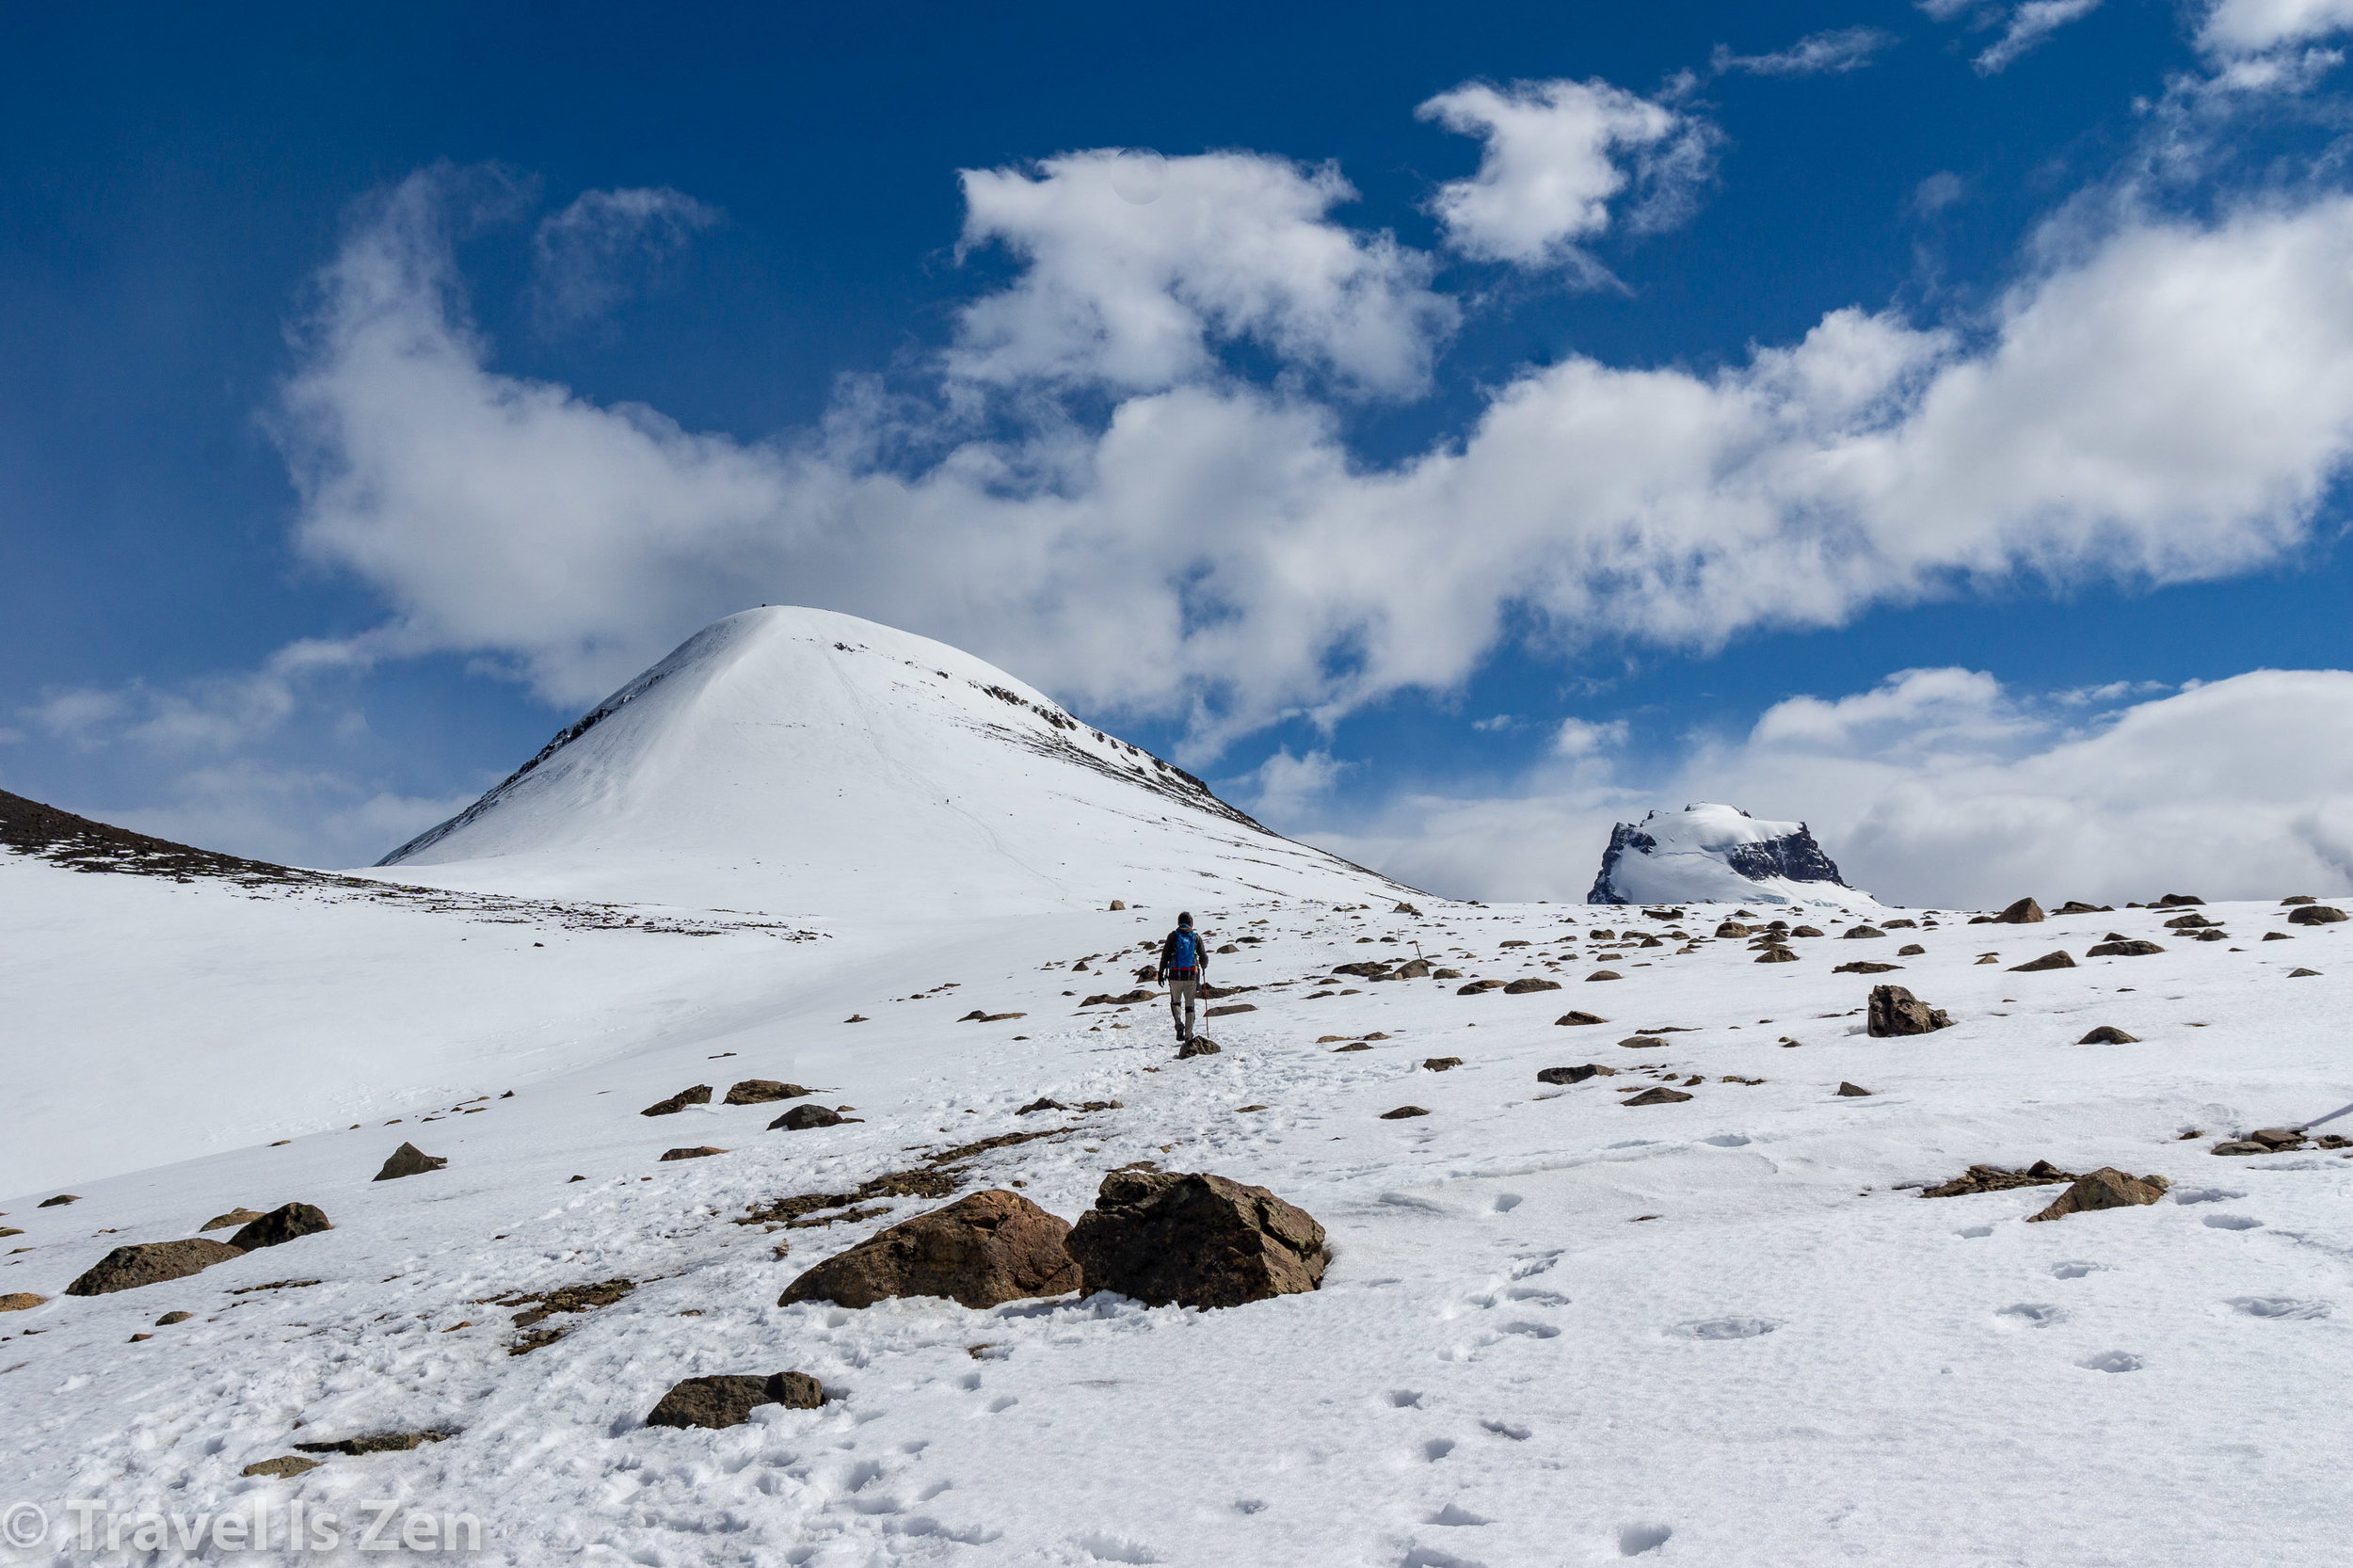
(1449, 433)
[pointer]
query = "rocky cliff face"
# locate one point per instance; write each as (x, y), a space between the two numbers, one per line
(1708, 852)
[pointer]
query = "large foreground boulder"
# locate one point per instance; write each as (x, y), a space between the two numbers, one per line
(151, 1263)
(1166, 1237)
(1896, 1010)
(729, 1401)
(980, 1251)
(280, 1224)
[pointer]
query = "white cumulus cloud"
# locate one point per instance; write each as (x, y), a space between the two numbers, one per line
(1942, 787)
(1135, 266)
(1559, 156)
(2256, 26)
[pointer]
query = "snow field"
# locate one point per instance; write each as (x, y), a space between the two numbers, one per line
(1794, 1361)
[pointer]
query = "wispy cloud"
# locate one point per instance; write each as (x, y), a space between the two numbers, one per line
(1831, 53)
(606, 246)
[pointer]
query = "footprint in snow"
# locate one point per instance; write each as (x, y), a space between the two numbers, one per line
(1633, 1540)
(2205, 1194)
(2279, 1307)
(2233, 1222)
(1725, 1328)
(2112, 1361)
(2075, 1271)
(2033, 1313)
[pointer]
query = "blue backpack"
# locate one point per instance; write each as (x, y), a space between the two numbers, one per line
(1185, 952)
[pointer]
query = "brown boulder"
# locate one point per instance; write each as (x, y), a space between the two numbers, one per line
(702, 1151)
(237, 1216)
(408, 1161)
(19, 1300)
(2177, 901)
(2060, 960)
(1574, 1075)
(1853, 1091)
(2120, 947)
(729, 1401)
(698, 1094)
(2108, 1035)
(1656, 1096)
(2314, 914)
(1195, 1241)
(761, 1091)
(980, 1251)
(1579, 1018)
(1605, 974)
(1522, 987)
(284, 1467)
(1404, 1112)
(1896, 1010)
(1776, 955)
(1414, 969)
(280, 1225)
(1865, 965)
(802, 1117)
(1440, 1063)
(1864, 933)
(151, 1263)
(2024, 912)
(2105, 1188)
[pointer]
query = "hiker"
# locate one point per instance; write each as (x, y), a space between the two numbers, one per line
(1184, 960)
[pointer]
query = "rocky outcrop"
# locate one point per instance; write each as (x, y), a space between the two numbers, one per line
(762, 1090)
(698, 1094)
(151, 1263)
(237, 1216)
(1994, 1178)
(980, 1251)
(729, 1401)
(1195, 1241)
(284, 1223)
(408, 1161)
(2024, 912)
(2105, 1188)
(1895, 1011)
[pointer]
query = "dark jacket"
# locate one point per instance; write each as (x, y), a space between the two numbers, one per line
(1200, 948)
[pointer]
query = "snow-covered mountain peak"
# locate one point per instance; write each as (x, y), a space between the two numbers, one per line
(797, 758)
(1711, 852)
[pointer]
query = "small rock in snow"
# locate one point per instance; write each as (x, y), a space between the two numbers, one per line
(2105, 1188)
(408, 1161)
(698, 1094)
(761, 1091)
(280, 1225)
(729, 1401)
(802, 1117)
(2108, 1035)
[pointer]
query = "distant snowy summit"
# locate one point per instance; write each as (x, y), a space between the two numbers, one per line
(1714, 853)
(797, 760)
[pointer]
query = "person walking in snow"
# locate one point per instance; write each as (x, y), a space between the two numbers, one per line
(1184, 964)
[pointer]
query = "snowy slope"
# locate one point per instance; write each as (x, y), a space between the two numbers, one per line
(1723, 1331)
(1707, 852)
(792, 759)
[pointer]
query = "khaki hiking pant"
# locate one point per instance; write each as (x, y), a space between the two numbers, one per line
(1182, 990)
